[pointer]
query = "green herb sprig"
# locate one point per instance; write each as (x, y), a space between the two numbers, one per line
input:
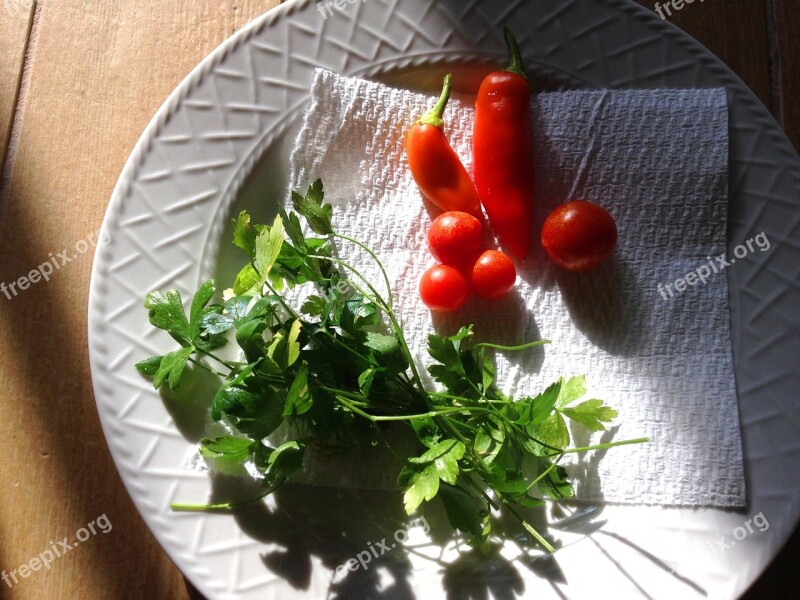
(338, 369)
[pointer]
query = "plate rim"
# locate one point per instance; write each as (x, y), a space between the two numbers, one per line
(733, 84)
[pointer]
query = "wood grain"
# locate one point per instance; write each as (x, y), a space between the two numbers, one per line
(786, 66)
(15, 20)
(99, 71)
(736, 32)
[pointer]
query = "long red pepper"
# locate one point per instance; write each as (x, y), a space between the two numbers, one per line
(503, 152)
(436, 167)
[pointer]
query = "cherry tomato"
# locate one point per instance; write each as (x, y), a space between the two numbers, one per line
(493, 275)
(579, 236)
(455, 238)
(444, 288)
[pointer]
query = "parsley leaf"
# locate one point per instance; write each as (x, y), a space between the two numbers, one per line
(555, 484)
(149, 366)
(451, 370)
(244, 235)
(281, 463)
(268, 248)
(227, 448)
(591, 414)
(312, 207)
(294, 230)
(489, 440)
(464, 511)
(166, 312)
(444, 455)
(420, 483)
(534, 411)
(247, 281)
(553, 431)
(171, 368)
(571, 390)
(299, 399)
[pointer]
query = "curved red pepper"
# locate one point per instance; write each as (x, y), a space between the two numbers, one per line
(436, 167)
(503, 152)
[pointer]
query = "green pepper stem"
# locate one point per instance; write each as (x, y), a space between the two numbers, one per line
(434, 116)
(517, 66)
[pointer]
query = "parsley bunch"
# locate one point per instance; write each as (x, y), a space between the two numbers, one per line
(338, 368)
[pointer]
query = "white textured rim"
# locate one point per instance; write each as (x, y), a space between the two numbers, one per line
(741, 96)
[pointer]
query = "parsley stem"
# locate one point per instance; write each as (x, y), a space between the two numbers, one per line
(377, 261)
(467, 426)
(445, 396)
(528, 527)
(341, 344)
(358, 399)
(482, 492)
(513, 426)
(176, 506)
(512, 348)
(545, 473)
(215, 357)
(283, 303)
(375, 296)
(601, 446)
(207, 368)
(394, 452)
(427, 415)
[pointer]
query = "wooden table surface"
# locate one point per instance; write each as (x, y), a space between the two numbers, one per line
(79, 81)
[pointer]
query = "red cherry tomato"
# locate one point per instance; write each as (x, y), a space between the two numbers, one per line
(455, 238)
(444, 288)
(493, 275)
(579, 236)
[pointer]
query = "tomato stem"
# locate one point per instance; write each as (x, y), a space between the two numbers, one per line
(434, 116)
(517, 66)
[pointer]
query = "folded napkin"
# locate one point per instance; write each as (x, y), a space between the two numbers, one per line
(657, 160)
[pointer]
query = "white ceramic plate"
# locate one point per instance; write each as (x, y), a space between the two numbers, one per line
(221, 138)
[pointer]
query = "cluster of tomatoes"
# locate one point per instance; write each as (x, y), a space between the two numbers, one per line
(577, 236)
(455, 239)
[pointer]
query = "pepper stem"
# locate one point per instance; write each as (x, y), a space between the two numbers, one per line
(517, 66)
(434, 115)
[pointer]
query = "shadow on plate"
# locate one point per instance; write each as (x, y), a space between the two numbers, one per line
(371, 548)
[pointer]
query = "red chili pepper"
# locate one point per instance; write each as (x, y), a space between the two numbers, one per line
(436, 167)
(503, 152)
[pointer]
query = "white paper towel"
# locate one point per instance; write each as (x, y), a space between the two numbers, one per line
(657, 160)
